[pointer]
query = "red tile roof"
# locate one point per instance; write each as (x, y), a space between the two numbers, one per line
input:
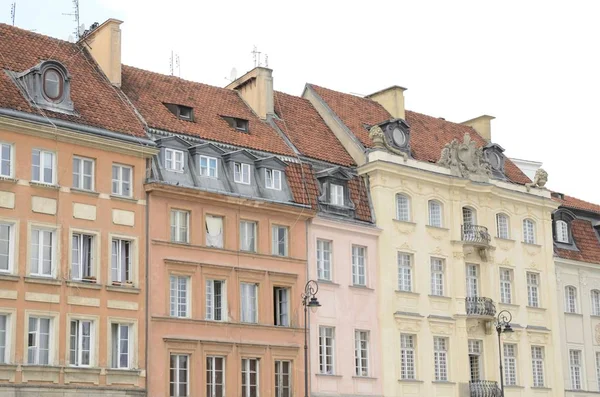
(586, 240)
(96, 101)
(429, 134)
(296, 175)
(307, 131)
(360, 198)
(148, 91)
(575, 203)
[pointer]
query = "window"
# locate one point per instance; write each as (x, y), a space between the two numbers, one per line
(241, 173)
(215, 376)
(214, 231)
(81, 343)
(216, 298)
(121, 346)
(121, 180)
(4, 338)
(575, 369)
(528, 231)
(472, 280)
(38, 341)
(324, 260)
(6, 247)
(598, 368)
(562, 232)
(280, 240)
(595, 302)
(533, 283)
(42, 252)
(475, 350)
(272, 179)
(82, 256)
(435, 213)
(359, 271)
(537, 365)
(52, 84)
(180, 221)
(248, 236)
(238, 124)
(404, 272)
(248, 294)
(208, 166)
(502, 226)
(326, 350)
(361, 353)
(6, 164)
(337, 194)
(250, 377)
(121, 261)
(181, 111)
(407, 356)
(179, 375)
(506, 286)
(570, 299)
(437, 277)
(402, 208)
(510, 364)
(283, 378)
(281, 297)
(83, 173)
(179, 296)
(440, 358)
(174, 160)
(42, 166)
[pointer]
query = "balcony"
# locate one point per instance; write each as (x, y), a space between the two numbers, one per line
(480, 306)
(475, 234)
(484, 388)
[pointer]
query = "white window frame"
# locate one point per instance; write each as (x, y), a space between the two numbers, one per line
(120, 181)
(537, 366)
(510, 364)
(282, 306)
(402, 207)
(575, 370)
(361, 353)
(249, 302)
(40, 255)
(435, 213)
(598, 369)
(211, 310)
(36, 336)
(472, 273)
(528, 231)
(172, 163)
(359, 265)
(245, 227)
(77, 346)
(246, 376)
(533, 289)
(79, 174)
(280, 389)
(211, 376)
(177, 371)
(570, 299)
(118, 266)
(404, 272)
(179, 293)
(116, 361)
(595, 296)
(437, 266)
(180, 226)
(6, 343)
(272, 179)
(336, 194)
(42, 165)
(10, 246)
(78, 273)
(241, 173)
(440, 358)
(502, 226)
(324, 259)
(408, 362)
(475, 353)
(326, 350)
(562, 231)
(208, 169)
(506, 286)
(276, 241)
(10, 160)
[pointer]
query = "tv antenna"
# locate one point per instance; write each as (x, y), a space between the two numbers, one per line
(174, 64)
(232, 75)
(13, 12)
(79, 29)
(256, 56)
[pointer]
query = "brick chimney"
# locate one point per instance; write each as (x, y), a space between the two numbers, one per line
(392, 100)
(256, 88)
(104, 43)
(482, 125)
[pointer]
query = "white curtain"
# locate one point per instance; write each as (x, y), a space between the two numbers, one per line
(214, 231)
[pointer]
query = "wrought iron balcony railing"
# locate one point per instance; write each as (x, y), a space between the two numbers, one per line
(484, 388)
(480, 306)
(475, 234)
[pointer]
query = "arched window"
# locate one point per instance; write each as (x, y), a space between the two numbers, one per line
(562, 231)
(570, 299)
(528, 231)
(595, 302)
(435, 213)
(53, 84)
(402, 208)
(502, 226)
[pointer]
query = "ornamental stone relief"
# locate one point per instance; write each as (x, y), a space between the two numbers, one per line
(437, 233)
(404, 227)
(538, 338)
(465, 160)
(441, 328)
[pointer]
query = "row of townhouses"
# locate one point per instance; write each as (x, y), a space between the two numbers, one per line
(162, 237)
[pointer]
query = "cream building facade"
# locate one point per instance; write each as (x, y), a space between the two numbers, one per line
(461, 240)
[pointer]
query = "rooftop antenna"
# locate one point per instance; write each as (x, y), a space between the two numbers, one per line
(13, 12)
(256, 55)
(79, 29)
(178, 65)
(266, 60)
(171, 63)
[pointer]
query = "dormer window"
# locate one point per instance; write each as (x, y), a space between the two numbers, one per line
(273, 179)
(174, 160)
(336, 195)
(562, 227)
(53, 84)
(562, 232)
(181, 111)
(238, 124)
(208, 166)
(241, 173)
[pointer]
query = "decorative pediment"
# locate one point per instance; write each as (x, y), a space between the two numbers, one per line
(208, 149)
(173, 142)
(392, 135)
(494, 154)
(335, 173)
(240, 156)
(465, 159)
(272, 162)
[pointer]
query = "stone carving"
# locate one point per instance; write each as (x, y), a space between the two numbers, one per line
(539, 180)
(597, 333)
(379, 142)
(465, 159)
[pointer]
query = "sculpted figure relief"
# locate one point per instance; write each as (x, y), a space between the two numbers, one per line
(465, 159)
(539, 180)
(378, 137)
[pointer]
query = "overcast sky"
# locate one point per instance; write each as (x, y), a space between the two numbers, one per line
(534, 65)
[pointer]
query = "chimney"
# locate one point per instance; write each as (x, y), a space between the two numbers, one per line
(256, 88)
(482, 125)
(392, 100)
(104, 43)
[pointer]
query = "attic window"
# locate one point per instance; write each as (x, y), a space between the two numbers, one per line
(238, 124)
(181, 111)
(53, 84)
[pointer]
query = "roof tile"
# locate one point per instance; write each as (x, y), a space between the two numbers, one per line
(586, 240)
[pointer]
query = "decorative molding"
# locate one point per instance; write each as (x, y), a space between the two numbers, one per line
(539, 180)
(465, 160)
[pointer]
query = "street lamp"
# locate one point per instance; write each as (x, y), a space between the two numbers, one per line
(309, 299)
(502, 326)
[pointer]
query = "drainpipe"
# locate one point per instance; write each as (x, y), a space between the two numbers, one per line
(147, 282)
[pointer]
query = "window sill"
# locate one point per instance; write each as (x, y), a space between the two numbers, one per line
(361, 287)
(42, 280)
(329, 375)
(40, 368)
(188, 320)
(123, 198)
(541, 309)
(82, 284)
(514, 305)
(508, 240)
(9, 277)
(437, 228)
(328, 282)
(530, 245)
(442, 297)
(8, 179)
(405, 222)
(127, 290)
(574, 314)
(43, 185)
(443, 382)
(364, 377)
(400, 292)
(513, 387)
(541, 388)
(124, 371)
(86, 192)
(409, 381)
(75, 369)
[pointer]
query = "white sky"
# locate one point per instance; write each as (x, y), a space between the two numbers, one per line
(534, 65)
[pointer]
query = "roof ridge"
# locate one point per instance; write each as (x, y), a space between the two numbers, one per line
(29, 32)
(344, 93)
